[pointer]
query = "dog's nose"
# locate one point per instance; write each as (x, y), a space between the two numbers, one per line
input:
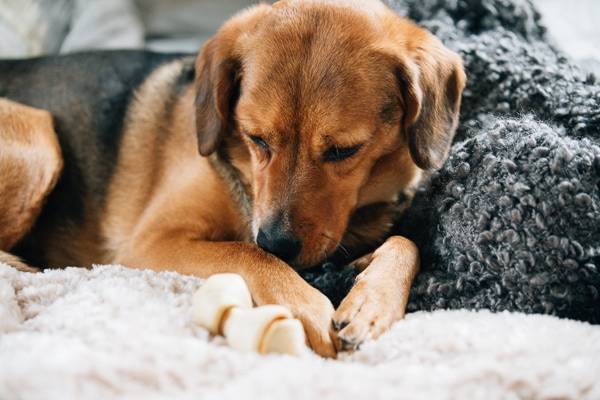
(278, 241)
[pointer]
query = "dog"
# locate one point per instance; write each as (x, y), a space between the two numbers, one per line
(297, 133)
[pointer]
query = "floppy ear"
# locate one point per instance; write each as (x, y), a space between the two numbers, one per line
(431, 80)
(218, 77)
(217, 88)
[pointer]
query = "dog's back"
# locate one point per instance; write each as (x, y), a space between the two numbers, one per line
(88, 96)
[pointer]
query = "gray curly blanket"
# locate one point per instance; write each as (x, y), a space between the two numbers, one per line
(512, 221)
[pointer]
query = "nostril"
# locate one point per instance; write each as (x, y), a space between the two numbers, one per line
(282, 245)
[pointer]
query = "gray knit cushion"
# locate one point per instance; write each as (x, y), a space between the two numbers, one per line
(512, 221)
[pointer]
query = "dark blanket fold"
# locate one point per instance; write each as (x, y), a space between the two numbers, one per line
(512, 221)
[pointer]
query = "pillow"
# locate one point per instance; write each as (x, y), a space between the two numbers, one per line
(36, 27)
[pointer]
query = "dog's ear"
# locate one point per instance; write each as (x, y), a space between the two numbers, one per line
(431, 80)
(218, 77)
(217, 87)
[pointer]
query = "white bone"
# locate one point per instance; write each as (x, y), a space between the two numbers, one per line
(285, 336)
(223, 305)
(245, 329)
(216, 296)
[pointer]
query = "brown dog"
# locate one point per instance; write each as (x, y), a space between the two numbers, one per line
(311, 118)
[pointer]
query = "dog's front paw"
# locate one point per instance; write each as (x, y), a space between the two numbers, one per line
(367, 312)
(316, 318)
(379, 295)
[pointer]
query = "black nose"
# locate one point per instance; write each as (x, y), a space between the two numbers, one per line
(278, 241)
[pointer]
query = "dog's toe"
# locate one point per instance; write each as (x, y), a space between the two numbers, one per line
(348, 344)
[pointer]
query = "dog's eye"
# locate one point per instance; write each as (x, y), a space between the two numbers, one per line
(260, 142)
(336, 153)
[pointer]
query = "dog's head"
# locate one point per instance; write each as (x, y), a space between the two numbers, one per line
(325, 107)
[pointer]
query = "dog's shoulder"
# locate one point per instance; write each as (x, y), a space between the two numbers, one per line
(88, 95)
(83, 91)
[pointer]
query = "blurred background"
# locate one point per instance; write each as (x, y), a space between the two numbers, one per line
(35, 27)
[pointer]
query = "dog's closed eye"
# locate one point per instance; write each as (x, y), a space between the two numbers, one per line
(337, 153)
(260, 142)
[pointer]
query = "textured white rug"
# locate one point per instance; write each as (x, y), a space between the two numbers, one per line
(112, 332)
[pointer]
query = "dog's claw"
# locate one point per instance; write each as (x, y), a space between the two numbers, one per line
(339, 325)
(347, 344)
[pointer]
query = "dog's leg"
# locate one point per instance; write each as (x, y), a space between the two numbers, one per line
(271, 281)
(379, 295)
(30, 164)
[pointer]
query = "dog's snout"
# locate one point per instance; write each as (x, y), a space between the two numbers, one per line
(279, 241)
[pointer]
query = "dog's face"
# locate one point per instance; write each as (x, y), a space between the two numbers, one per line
(325, 107)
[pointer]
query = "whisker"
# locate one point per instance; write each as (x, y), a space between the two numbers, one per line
(339, 245)
(344, 249)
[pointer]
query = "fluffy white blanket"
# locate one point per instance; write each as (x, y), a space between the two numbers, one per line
(113, 332)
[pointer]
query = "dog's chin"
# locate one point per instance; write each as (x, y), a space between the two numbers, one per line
(308, 262)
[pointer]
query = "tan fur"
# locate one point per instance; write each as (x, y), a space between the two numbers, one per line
(312, 74)
(16, 262)
(30, 163)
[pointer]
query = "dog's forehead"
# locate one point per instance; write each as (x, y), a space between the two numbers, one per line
(316, 67)
(299, 26)
(295, 99)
